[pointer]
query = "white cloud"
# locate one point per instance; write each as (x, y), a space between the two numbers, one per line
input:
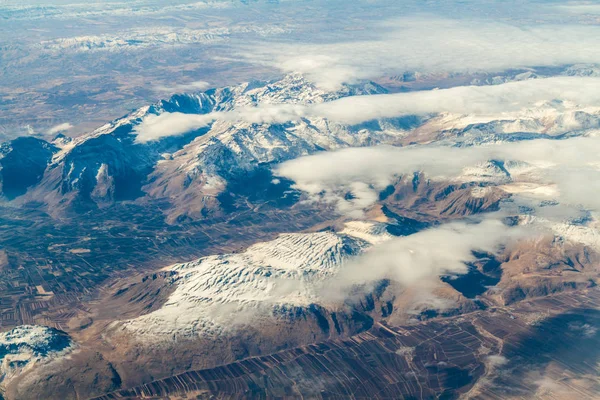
(571, 164)
(497, 360)
(481, 100)
(434, 45)
(580, 8)
(72, 10)
(60, 128)
(195, 86)
(416, 259)
(550, 387)
(154, 127)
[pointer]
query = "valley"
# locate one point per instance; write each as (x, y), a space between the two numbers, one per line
(444, 358)
(236, 243)
(53, 267)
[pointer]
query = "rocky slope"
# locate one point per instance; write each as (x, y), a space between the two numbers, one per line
(22, 164)
(25, 347)
(109, 165)
(216, 293)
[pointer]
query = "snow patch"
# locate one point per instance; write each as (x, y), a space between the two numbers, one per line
(213, 293)
(26, 346)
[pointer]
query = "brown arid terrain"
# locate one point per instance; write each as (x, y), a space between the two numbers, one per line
(501, 352)
(515, 322)
(241, 242)
(299, 199)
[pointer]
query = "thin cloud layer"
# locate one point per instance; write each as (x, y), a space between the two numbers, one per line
(196, 86)
(434, 45)
(60, 128)
(154, 127)
(580, 8)
(417, 259)
(72, 10)
(570, 164)
(480, 100)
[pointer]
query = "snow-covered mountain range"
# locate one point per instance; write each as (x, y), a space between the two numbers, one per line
(190, 170)
(145, 38)
(109, 165)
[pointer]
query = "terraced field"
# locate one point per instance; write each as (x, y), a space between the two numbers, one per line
(491, 354)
